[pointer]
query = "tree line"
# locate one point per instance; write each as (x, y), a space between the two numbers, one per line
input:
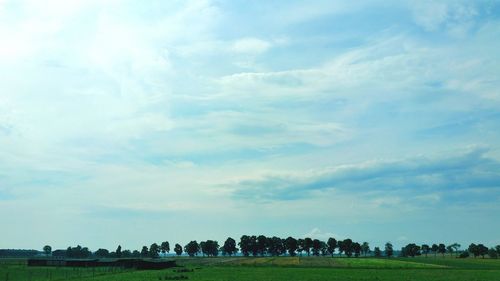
(252, 245)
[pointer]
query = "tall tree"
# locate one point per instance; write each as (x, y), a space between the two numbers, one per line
(144, 251)
(456, 248)
(425, 249)
(434, 249)
(245, 245)
(316, 247)
(347, 247)
(118, 252)
(376, 252)
(261, 244)
(154, 250)
(300, 246)
(389, 251)
(229, 247)
(308, 243)
(192, 248)
(331, 244)
(365, 248)
(492, 253)
(291, 245)
(178, 249)
(47, 250)
(165, 247)
(356, 248)
(442, 249)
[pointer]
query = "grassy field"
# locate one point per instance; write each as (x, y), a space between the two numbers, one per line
(277, 269)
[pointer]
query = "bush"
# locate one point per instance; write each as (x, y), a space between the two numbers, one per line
(464, 255)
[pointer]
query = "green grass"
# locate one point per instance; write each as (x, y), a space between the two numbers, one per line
(279, 269)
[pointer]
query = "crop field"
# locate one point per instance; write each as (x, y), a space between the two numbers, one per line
(276, 269)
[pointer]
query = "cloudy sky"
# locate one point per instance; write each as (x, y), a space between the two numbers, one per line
(132, 122)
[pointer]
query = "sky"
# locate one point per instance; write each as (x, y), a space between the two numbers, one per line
(133, 122)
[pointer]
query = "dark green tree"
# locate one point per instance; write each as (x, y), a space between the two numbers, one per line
(300, 246)
(308, 243)
(47, 250)
(291, 245)
(192, 248)
(389, 251)
(144, 252)
(356, 248)
(425, 249)
(316, 247)
(434, 249)
(178, 249)
(262, 245)
(365, 248)
(229, 247)
(118, 252)
(411, 250)
(245, 245)
(492, 253)
(376, 252)
(165, 247)
(154, 250)
(347, 247)
(332, 245)
(102, 253)
(442, 249)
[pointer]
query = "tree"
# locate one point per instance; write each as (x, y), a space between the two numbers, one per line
(118, 252)
(291, 245)
(102, 253)
(331, 245)
(300, 246)
(497, 248)
(324, 248)
(482, 250)
(316, 247)
(442, 249)
(229, 247)
(192, 248)
(434, 249)
(492, 253)
(455, 247)
(347, 247)
(388, 249)
(473, 249)
(411, 250)
(126, 254)
(365, 248)
(308, 243)
(144, 251)
(275, 246)
(425, 249)
(47, 250)
(154, 250)
(178, 249)
(356, 248)
(165, 247)
(376, 252)
(203, 247)
(245, 245)
(261, 245)
(210, 248)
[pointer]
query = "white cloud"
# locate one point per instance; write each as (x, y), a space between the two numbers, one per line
(250, 46)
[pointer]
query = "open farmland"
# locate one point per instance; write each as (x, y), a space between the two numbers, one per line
(276, 269)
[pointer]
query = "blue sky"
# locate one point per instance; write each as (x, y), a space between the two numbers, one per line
(124, 122)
